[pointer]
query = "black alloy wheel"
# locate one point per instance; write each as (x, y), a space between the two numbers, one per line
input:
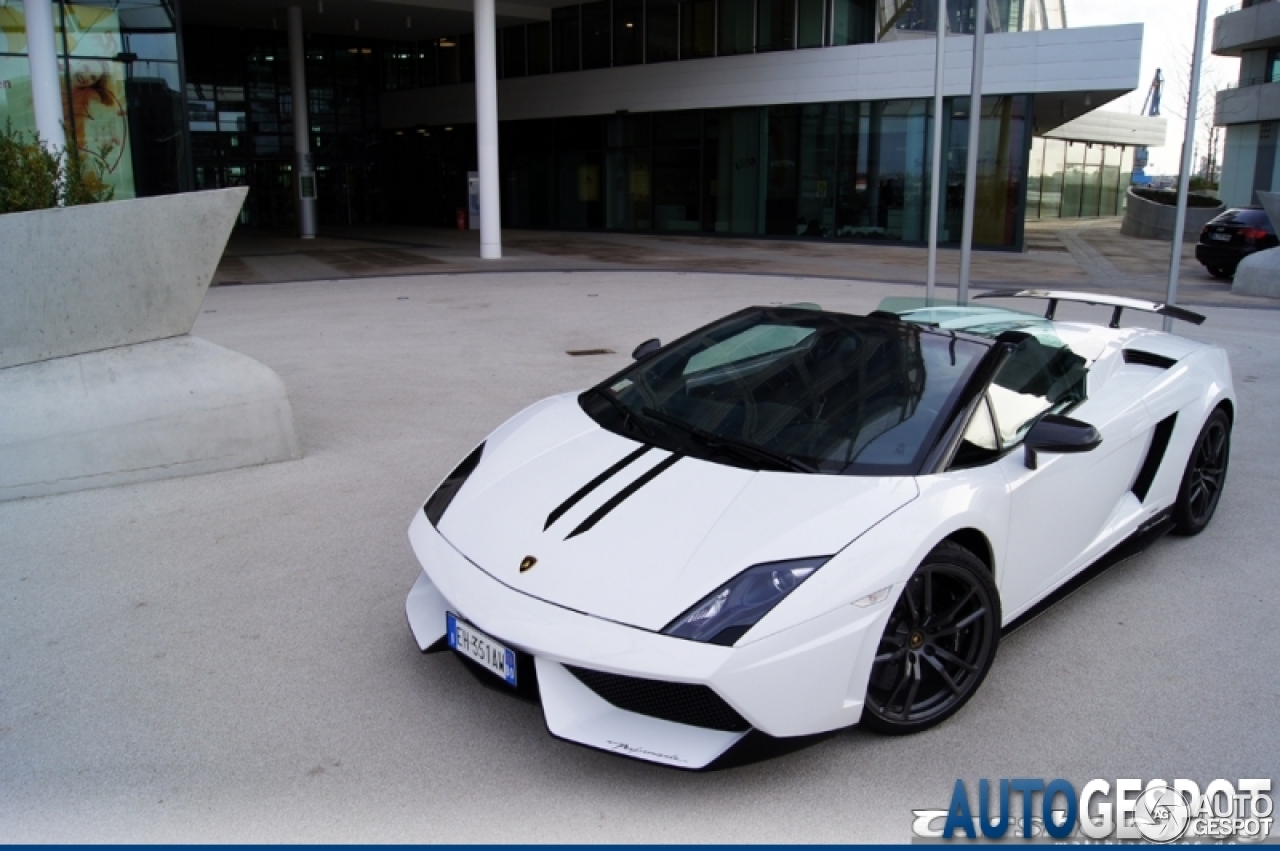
(1205, 476)
(938, 645)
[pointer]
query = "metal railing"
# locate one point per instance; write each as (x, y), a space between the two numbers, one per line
(1251, 81)
(1245, 5)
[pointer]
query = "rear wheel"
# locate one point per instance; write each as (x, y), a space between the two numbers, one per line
(1219, 272)
(1204, 477)
(938, 645)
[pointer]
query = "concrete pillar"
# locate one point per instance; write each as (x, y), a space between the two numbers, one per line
(46, 87)
(487, 130)
(971, 163)
(304, 173)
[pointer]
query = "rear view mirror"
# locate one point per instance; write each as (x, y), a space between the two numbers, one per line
(646, 348)
(1055, 433)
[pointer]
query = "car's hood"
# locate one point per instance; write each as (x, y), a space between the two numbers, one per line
(653, 550)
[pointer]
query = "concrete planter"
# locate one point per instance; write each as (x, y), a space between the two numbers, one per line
(1153, 220)
(101, 381)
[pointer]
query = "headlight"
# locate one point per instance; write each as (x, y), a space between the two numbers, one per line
(449, 488)
(725, 615)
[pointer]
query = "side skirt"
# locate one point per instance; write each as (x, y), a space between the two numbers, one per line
(1146, 535)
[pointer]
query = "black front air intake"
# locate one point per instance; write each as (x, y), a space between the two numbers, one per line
(683, 703)
(449, 488)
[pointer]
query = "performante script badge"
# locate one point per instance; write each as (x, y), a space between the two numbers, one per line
(527, 563)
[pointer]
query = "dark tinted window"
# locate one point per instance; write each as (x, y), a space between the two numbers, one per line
(597, 32)
(513, 52)
(661, 26)
(538, 47)
(1248, 216)
(840, 394)
(628, 32)
(565, 46)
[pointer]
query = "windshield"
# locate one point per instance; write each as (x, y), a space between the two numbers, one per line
(797, 389)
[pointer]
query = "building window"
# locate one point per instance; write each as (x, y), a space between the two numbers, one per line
(777, 25)
(597, 30)
(513, 52)
(661, 30)
(737, 26)
(628, 32)
(447, 60)
(697, 28)
(1273, 66)
(565, 40)
(467, 57)
(538, 48)
(812, 23)
(677, 167)
(853, 22)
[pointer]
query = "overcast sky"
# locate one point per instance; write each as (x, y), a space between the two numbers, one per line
(1167, 42)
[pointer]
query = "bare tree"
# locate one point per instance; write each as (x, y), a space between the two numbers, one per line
(1208, 136)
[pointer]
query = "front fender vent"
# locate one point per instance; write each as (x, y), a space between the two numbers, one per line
(683, 703)
(1148, 359)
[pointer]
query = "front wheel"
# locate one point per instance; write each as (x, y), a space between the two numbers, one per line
(938, 645)
(1204, 477)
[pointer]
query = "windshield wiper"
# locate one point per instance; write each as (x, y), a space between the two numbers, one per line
(628, 416)
(748, 451)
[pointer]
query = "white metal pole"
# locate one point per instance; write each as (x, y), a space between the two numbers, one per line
(1184, 176)
(971, 161)
(935, 175)
(46, 87)
(487, 131)
(304, 173)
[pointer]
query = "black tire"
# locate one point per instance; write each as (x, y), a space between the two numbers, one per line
(938, 645)
(1204, 477)
(1219, 272)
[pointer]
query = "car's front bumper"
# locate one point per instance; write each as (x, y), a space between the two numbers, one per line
(808, 679)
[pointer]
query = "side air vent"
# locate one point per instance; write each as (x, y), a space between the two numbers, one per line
(1147, 359)
(683, 703)
(1155, 454)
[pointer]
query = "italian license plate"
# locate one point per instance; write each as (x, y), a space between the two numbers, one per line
(1221, 237)
(481, 649)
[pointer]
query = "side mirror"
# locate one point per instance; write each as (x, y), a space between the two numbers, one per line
(1054, 433)
(646, 348)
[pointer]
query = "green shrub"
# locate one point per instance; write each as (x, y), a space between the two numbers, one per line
(1168, 196)
(33, 178)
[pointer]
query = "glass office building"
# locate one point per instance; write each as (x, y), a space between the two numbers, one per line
(170, 105)
(121, 74)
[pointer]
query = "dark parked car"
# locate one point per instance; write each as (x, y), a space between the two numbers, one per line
(1233, 236)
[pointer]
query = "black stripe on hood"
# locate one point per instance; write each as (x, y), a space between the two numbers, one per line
(617, 498)
(574, 499)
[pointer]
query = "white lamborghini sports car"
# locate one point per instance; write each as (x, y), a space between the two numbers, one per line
(793, 520)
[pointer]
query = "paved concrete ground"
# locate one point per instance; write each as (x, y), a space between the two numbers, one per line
(225, 658)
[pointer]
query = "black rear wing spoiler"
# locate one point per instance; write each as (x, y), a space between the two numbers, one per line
(1117, 303)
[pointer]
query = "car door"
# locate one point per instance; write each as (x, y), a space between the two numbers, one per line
(1058, 509)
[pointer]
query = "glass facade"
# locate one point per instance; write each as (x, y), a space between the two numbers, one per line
(613, 33)
(852, 170)
(241, 128)
(1071, 180)
(121, 87)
